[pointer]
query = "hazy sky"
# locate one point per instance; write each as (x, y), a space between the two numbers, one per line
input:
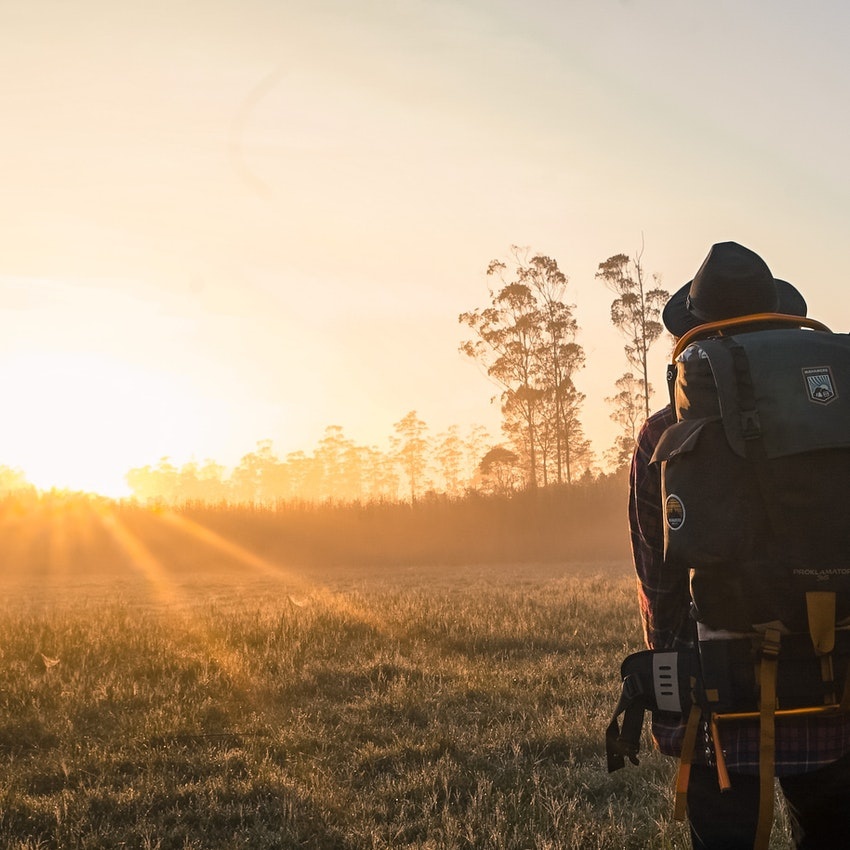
(229, 221)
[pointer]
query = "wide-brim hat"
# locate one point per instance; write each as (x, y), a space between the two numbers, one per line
(732, 281)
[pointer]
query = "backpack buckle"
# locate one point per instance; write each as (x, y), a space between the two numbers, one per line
(770, 643)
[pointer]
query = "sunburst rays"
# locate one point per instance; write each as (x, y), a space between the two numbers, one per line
(52, 543)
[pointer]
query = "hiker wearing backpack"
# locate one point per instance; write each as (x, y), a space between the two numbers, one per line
(738, 514)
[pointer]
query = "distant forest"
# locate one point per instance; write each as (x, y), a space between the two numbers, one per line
(526, 339)
(581, 522)
(338, 470)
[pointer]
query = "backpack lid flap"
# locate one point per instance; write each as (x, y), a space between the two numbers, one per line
(799, 388)
(679, 438)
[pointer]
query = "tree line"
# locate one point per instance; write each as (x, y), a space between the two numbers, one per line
(415, 463)
(527, 339)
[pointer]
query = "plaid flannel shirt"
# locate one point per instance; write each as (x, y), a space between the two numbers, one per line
(802, 743)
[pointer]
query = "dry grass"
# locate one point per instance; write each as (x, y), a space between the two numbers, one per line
(204, 697)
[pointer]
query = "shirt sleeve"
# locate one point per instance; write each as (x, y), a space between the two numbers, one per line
(663, 588)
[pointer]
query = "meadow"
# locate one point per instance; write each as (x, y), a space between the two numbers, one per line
(161, 693)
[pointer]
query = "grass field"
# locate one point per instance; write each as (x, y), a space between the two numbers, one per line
(155, 695)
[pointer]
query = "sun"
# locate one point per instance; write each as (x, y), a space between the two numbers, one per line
(80, 421)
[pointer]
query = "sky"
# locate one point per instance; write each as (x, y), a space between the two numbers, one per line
(225, 222)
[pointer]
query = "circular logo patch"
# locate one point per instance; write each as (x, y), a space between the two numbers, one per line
(674, 512)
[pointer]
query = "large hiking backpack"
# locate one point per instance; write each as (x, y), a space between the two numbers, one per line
(756, 493)
(755, 474)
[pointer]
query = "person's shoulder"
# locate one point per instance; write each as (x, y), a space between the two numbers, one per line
(650, 433)
(665, 414)
(659, 421)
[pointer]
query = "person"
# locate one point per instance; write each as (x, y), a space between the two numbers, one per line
(812, 758)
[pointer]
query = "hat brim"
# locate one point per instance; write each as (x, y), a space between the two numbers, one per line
(679, 320)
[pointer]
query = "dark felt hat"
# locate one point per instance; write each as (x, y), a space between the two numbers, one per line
(732, 281)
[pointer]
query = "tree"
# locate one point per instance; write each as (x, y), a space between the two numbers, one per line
(380, 474)
(189, 487)
(212, 478)
(448, 453)
(500, 471)
(561, 357)
(302, 475)
(509, 345)
(526, 341)
(581, 451)
(635, 312)
(13, 480)
(477, 443)
(259, 475)
(411, 447)
(159, 483)
(340, 478)
(629, 408)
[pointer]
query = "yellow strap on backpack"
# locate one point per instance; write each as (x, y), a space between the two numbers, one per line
(722, 773)
(688, 748)
(820, 607)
